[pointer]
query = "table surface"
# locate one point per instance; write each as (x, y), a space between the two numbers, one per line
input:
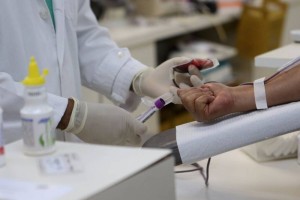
(233, 175)
(236, 176)
(113, 165)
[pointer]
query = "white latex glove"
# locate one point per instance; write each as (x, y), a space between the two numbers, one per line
(155, 82)
(105, 124)
(195, 81)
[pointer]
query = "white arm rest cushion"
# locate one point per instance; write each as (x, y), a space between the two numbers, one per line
(197, 141)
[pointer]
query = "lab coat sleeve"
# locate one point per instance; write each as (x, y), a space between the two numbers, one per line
(105, 67)
(12, 101)
(11, 105)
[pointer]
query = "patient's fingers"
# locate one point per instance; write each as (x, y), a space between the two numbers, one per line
(186, 91)
(189, 96)
(188, 101)
(202, 112)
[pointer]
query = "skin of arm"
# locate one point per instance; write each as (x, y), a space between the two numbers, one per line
(214, 100)
(63, 123)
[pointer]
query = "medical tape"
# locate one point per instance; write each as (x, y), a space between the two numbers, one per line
(260, 94)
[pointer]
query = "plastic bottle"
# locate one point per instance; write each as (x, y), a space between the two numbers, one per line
(38, 136)
(2, 158)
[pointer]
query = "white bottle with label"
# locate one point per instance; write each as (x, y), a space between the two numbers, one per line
(2, 158)
(38, 134)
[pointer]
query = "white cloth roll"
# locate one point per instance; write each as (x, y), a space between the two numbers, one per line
(197, 141)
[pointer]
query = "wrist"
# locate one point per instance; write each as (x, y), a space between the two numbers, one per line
(65, 120)
(244, 99)
(137, 82)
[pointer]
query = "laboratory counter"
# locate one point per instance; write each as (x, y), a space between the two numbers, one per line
(106, 172)
(84, 171)
(236, 176)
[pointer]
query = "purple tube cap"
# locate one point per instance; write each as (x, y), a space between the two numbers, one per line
(159, 103)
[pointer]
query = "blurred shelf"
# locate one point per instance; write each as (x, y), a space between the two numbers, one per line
(162, 28)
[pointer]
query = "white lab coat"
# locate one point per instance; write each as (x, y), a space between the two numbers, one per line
(78, 52)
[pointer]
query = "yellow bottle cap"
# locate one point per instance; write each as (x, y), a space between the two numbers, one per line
(34, 78)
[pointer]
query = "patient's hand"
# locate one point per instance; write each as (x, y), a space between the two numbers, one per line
(209, 101)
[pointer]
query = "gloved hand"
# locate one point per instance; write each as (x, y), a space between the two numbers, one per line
(155, 82)
(104, 124)
(195, 81)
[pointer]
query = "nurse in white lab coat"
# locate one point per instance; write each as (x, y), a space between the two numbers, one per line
(77, 51)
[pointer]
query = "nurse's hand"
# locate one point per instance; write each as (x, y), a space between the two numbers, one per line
(105, 124)
(155, 82)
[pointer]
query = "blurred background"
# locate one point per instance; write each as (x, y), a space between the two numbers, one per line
(233, 31)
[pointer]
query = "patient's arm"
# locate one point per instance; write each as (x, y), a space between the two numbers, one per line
(222, 100)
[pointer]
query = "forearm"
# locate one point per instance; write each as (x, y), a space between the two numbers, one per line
(243, 98)
(283, 88)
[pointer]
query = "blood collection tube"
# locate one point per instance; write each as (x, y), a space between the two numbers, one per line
(158, 104)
